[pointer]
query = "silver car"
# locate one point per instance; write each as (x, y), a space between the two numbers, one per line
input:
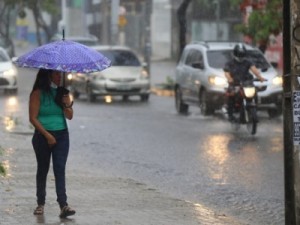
(8, 74)
(126, 77)
(200, 78)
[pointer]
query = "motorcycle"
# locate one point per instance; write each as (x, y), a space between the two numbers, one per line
(245, 105)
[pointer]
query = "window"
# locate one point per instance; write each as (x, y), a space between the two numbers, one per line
(121, 58)
(193, 57)
(218, 59)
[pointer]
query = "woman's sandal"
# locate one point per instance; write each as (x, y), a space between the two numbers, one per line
(66, 211)
(39, 210)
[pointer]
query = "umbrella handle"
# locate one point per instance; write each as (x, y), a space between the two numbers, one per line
(63, 81)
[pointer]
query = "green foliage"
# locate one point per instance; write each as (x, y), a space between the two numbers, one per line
(2, 170)
(262, 23)
(235, 2)
(169, 84)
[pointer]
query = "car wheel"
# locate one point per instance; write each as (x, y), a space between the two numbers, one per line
(181, 107)
(90, 96)
(144, 98)
(205, 107)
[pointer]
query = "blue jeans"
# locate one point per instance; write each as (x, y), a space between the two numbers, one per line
(59, 154)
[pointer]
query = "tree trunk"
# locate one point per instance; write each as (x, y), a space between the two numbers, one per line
(40, 23)
(181, 16)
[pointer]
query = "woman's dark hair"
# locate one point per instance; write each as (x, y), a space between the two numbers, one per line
(43, 80)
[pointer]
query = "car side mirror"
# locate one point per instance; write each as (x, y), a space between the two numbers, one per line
(14, 59)
(198, 65)
(144, 64)
(264, 69)
(274, 64)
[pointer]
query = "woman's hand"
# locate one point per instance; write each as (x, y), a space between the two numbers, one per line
(67, 100)
(51, 140)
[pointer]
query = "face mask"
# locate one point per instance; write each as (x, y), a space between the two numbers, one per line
(53, 85)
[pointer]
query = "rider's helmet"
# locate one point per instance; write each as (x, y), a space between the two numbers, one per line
(239, 52)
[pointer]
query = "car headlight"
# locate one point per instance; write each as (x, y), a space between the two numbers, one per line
(10, 72)
(70, 76)
(144, 74)
(217, 81)
(99, 76)
(277, 81)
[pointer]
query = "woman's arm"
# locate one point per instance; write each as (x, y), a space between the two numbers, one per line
(68, 103)
(34, 106)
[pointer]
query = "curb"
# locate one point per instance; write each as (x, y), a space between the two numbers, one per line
(162, 92)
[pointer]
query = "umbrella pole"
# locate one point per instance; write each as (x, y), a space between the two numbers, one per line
(64, 73)
(63, 34)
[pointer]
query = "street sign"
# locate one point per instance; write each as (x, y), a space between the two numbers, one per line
(296, 116)
(122, 21)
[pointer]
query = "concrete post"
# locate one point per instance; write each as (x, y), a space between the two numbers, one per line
(291, 88)
(115, 6)
(148, 39)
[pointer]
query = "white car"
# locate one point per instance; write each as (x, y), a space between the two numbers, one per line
(8, 74)
(126, 76)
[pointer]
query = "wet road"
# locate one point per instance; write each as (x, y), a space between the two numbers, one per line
(195, 158)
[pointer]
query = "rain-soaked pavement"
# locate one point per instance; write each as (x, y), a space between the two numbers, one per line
(192, 159)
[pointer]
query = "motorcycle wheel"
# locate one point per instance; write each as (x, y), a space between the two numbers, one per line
(251, 121)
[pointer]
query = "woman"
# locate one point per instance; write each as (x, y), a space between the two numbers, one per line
(51, 137)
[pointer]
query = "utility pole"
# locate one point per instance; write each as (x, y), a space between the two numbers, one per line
(148, 45)
(216, 3)
(291, 89)
(115, 7)
(64, 19)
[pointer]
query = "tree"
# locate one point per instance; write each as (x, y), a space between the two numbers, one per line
(8, 7)
(262, 22)
(181, 16)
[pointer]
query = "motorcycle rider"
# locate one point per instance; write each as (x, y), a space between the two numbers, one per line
(237, 70)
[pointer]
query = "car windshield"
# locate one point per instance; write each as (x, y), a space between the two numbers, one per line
(218, 58)
(121, 57)
(4, 57)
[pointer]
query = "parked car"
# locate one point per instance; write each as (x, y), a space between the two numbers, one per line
(89, 40)
(126, 76)
(8, 73)
(200, 78)
(7, 46)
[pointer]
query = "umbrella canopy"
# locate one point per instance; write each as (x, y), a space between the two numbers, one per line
(65, 56)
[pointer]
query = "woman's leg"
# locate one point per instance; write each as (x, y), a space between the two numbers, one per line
(43, 155)
(59, 158)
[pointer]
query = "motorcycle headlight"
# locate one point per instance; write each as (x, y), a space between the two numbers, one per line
(217, 81)
(249, 92)
(277, 81)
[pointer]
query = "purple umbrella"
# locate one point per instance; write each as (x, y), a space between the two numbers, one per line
(65, 56)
